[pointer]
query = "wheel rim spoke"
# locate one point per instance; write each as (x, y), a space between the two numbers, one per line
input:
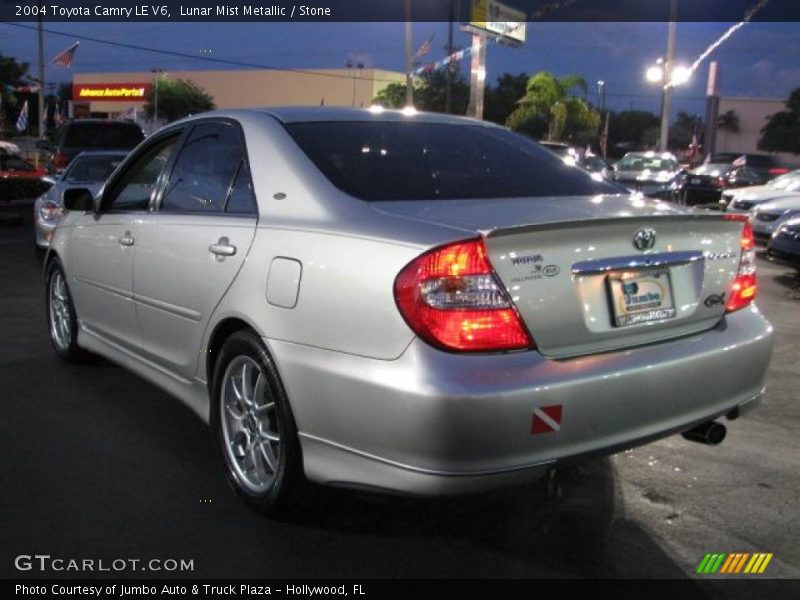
(60, 317)
(249, 423)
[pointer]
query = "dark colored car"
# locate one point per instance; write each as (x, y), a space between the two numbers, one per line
(86, 135)
(766, 165)
(19, 178)
(784, 246)
(705, 184)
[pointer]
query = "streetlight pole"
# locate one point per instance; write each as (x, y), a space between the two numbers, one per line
(663, 139)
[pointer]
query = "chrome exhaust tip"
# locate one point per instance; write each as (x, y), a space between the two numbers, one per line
(710, 433)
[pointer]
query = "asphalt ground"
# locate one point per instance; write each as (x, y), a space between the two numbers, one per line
(96, 463)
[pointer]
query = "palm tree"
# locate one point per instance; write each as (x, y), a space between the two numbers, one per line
(728, 121)
(551, 103)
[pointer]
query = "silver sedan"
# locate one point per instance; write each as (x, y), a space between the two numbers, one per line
(87, 170)
(404, 302)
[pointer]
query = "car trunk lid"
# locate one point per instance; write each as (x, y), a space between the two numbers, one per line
(577, 277)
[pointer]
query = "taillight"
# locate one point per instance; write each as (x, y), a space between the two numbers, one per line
(60, 160)
(778, 170)
(745, 286)
(719, 182)
(452, 299)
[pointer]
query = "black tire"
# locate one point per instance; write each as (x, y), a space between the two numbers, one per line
(283, 496)
(69, 351)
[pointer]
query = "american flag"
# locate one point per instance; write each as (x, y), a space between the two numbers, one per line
(424, 49)
(64, 59)
(22, 119)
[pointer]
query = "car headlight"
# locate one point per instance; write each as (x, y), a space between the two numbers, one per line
(50, 211)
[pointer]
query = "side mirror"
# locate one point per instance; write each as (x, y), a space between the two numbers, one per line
(79, 199)
(43, 145)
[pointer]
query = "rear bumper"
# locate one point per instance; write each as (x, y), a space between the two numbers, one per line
(437, 423)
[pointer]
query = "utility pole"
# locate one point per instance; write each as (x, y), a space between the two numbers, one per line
(667, 83)
(409, 57)
(41, 117)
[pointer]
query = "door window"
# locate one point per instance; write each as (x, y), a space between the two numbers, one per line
(204, 172)
(134, 189)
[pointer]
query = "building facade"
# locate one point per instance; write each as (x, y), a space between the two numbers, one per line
(114, 94)
(752, 115)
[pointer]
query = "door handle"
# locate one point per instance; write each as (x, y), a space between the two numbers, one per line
(127, 239)
(222, 248)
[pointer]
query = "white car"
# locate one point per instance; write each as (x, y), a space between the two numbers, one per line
(742, 200)
(767, 216)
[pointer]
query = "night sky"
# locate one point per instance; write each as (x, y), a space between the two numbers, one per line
(760, 60)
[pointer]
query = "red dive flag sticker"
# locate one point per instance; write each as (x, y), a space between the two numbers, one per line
(546, 419)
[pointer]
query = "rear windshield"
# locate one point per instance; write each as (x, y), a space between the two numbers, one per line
(405, 160)
(92, 168)
(652, 163)
(103, 135)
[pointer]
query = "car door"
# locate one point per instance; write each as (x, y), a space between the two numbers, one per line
(103, 246)
(190, 249)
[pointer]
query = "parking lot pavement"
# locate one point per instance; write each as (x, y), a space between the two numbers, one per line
(98, 464)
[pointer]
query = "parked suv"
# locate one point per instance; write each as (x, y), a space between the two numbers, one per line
(83, 135)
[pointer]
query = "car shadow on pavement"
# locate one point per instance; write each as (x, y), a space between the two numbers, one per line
(569, 524)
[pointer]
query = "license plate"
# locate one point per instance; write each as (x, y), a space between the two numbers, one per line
(696, 181)
(640, 296)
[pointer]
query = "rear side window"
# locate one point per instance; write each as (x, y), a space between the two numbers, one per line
(204, 171)
(102, 135)
(241, 200)
(407, 160)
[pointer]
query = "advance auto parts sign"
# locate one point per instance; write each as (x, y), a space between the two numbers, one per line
(110, 92)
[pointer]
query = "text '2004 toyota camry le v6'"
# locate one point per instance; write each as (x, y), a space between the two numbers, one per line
(404, 302)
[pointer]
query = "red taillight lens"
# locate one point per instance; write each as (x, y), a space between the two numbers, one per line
(60, 160)
(451, 298)
(745, 286)
(778, 170)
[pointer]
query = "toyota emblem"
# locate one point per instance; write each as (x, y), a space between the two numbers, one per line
(644, 239)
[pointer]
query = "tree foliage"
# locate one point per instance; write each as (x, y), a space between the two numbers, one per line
(500, 100)
(632, 130)
(430, 93)
(11, 74)
(728, 121)
(683, 129)
(782, 130)
(177, 98)
(553, 100)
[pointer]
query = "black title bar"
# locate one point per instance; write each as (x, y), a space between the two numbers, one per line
(394, 10)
